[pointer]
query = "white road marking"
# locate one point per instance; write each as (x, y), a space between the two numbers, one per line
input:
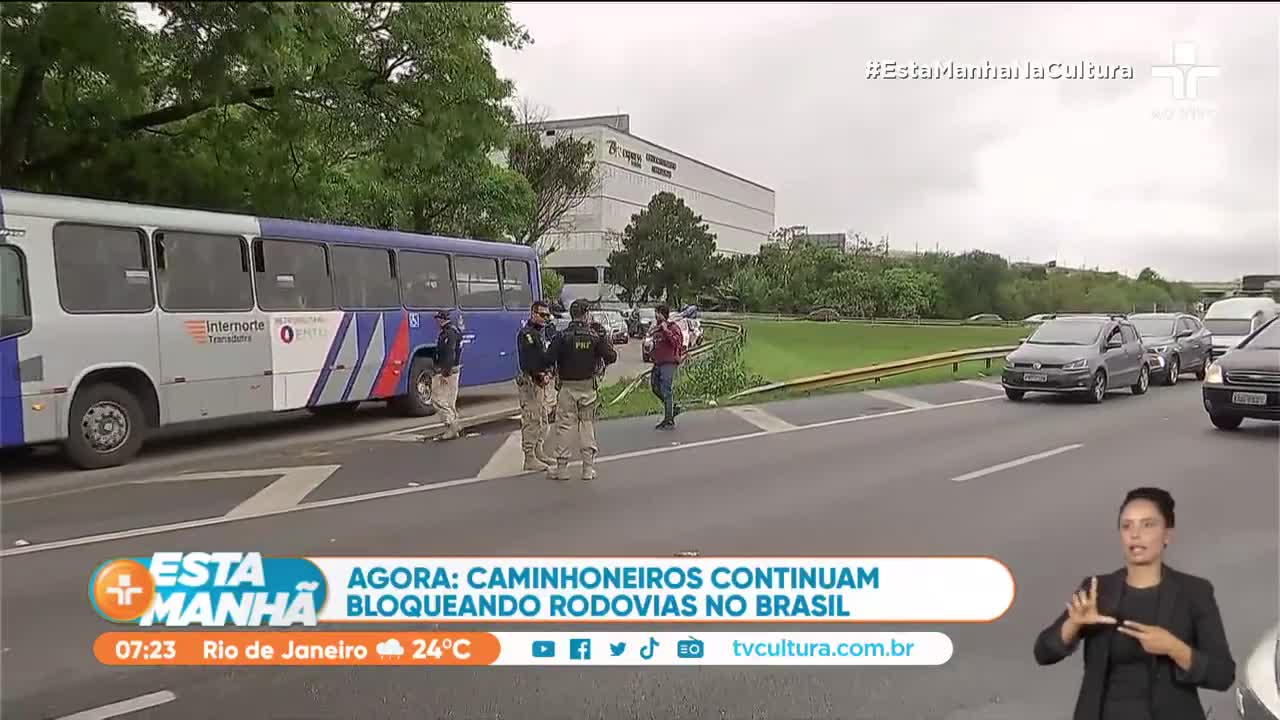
(760, 418)
(352, 499)
(287, 492)
(994, 386)
(507, 460)
(1015, 463)
(189, 476)
(897, 399)
(124, 707)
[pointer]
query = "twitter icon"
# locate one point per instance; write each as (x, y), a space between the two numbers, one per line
(616, 649)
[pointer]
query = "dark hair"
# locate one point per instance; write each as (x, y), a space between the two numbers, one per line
(1158, 497)
(539, 304)
(663, 311)
(578, 308)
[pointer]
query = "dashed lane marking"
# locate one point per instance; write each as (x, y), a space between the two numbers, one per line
(760, 418)
(897, 399)
(124, 707)
(1015, 463)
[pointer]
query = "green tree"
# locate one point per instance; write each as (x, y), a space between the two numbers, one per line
(668, 248)
(552, 285)
(375, 113)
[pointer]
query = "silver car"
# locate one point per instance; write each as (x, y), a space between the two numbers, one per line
(1087, 355)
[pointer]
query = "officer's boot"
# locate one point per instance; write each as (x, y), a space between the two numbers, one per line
(533, 462)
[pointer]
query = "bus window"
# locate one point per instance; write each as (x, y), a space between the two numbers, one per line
(198, 272)
(15, 301)
(517, 288)
(102, 269)
(424, 280)
(292, 275)
(478, 287)
(363, 278)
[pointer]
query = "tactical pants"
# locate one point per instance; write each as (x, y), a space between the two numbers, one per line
(444, 395)
(533, 417)
(576, 415)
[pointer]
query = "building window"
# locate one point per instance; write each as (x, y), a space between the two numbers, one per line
(478, 287)
(364, 278)
(517, 284)
(102, 269)
(292, 275)
(579, 275)
(197, 272)
(425, 282)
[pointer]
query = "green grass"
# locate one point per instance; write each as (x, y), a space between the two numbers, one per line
(786, 350)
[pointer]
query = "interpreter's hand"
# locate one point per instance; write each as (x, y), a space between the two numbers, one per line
(1083, 608)
(1155, 640)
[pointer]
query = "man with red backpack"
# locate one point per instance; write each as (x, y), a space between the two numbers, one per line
(668, 352)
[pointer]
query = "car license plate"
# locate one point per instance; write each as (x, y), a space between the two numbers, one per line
(1034, 377)
(1248, 398)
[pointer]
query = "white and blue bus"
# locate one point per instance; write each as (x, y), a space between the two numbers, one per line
(117, 319)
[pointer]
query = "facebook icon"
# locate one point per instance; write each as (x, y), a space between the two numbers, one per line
(580, 649)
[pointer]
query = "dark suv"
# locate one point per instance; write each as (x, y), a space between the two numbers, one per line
(1176, 343)
(1085, 354)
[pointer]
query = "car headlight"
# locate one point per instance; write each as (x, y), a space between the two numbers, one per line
(1076, 365)
(1158, 349)
(1213, 376)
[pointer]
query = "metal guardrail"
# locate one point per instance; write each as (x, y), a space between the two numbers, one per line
(883, 370)
(939, 322)
(736, 332)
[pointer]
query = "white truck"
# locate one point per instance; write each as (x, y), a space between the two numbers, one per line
(1232, 319)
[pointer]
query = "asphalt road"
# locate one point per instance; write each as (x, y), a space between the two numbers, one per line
(868, 476)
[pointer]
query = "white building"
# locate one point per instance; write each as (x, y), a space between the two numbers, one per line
(739, 212)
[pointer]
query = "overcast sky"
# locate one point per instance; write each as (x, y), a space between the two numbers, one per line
(1108, 172)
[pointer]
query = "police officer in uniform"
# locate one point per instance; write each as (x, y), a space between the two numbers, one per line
(444, 383)
(532, 384)
(576, 352)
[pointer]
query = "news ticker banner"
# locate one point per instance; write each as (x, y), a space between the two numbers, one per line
(221, 589)
(588, 648)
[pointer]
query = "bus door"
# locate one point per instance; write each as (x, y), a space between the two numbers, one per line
(214, 344)
(295, 288)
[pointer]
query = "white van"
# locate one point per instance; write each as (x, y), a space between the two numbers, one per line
(1233, 319)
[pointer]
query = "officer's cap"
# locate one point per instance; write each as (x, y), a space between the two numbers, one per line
(579, 308)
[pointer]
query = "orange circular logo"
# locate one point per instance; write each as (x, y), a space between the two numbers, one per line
(122, 590)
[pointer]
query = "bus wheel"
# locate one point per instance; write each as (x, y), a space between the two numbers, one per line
(106, 427)
(416, 402)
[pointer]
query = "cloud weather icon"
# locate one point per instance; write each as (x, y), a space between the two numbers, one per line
(390, 648)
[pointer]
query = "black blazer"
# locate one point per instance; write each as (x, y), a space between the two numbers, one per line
(1188, 610)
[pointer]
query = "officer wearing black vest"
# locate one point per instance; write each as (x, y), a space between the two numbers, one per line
(577, 352)
(533, 384)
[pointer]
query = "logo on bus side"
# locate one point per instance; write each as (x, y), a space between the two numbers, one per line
(305, 327)
(224, 332)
